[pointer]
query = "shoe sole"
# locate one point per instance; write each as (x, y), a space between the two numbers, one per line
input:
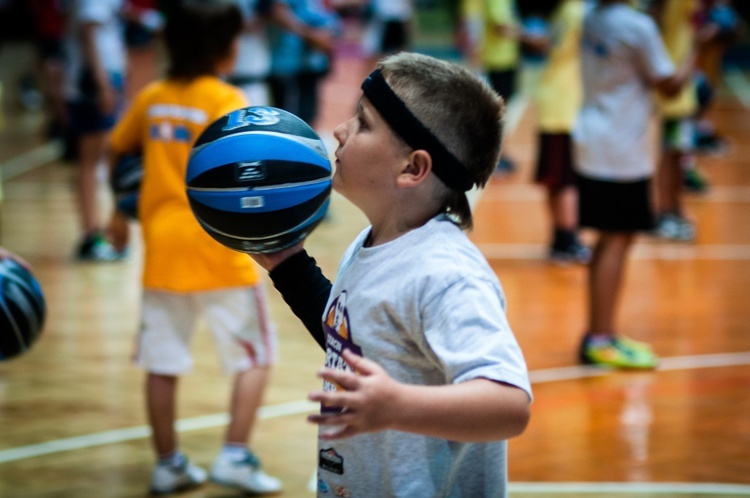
(242, 488)
(179, 489)
(589, 362)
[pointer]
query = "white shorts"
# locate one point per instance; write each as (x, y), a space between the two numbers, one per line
(239, 319)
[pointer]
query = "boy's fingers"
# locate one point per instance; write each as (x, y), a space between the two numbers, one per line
(330, 398)
(359, 363)
(329, 419)
(346, 380)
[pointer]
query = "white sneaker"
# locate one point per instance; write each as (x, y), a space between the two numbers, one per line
(169, 478)
(675, 227)
(244, 474)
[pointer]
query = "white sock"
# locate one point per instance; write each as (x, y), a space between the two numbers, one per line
(174, 459)
(234, 452)
(600, 340)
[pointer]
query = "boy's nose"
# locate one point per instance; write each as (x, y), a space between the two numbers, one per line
(339, 133)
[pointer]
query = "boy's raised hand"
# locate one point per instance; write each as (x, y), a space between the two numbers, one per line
(367, 402)
(269, 261)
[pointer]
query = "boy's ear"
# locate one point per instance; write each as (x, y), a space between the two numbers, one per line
(416, 170)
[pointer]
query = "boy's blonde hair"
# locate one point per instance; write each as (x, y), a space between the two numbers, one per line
(460, 110)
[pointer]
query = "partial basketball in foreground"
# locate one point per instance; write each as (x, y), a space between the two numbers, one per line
(22, 309)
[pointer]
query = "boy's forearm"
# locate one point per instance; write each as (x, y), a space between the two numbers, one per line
(305, 289)
(479, 410)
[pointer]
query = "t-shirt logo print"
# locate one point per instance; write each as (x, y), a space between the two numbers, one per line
(330, 460)
(338, 338)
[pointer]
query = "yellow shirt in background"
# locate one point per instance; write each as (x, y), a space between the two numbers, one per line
(499, 52)
(678, 34)
(559, 93)
(471, 8)
(163, 122)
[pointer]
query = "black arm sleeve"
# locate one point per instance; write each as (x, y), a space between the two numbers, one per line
(305, 289)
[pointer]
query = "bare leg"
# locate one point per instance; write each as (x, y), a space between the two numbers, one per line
(161, 393)
(563, 206)
(92, 147)
(247, 396)
(606, 272)
(118, 231)
(670, 184)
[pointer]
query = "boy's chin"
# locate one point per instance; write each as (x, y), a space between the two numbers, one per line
(336, 183)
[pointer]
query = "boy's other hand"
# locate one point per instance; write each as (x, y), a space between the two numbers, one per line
(269, 261)
(367, 402)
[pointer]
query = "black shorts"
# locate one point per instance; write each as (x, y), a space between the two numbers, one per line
(86, 118)
(554, 166)
(85, 115)
(615, 206)
(503, 82)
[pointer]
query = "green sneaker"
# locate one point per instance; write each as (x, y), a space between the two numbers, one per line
(95, 247)
(694, 181)
(619, 352)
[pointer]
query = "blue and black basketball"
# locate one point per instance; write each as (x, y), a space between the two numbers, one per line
(22, 309)
(259, 179)
(126, 183)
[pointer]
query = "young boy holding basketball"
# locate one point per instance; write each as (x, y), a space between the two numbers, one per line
(424, 380)
(186, 273)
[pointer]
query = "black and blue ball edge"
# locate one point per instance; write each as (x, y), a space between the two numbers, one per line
(22, 309)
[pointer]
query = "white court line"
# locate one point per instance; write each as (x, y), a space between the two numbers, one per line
(739, 84)
(42, 154)
(535, 193)
(555, 488)
(142, 431)
(665, 364)
(301, 407)
(643, 252)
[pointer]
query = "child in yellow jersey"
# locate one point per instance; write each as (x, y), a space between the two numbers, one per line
(675, 19)
(500, 53)
(468, 30)
(558, 100)
(186, 273)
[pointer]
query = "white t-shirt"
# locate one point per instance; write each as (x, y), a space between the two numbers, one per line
(109, 41)
(429, 309)
(254, 55)
(393, 10)
(622, 55)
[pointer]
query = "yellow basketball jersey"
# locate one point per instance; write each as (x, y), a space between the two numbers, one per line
(163, 122)
(559, 92)
(499, 52)
(678, 34)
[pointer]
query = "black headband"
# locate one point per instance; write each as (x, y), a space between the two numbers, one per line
(413, 132)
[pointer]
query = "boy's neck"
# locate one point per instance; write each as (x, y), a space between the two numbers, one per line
(395, 223)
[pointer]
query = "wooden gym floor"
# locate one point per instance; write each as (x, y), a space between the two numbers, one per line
(72, 412)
